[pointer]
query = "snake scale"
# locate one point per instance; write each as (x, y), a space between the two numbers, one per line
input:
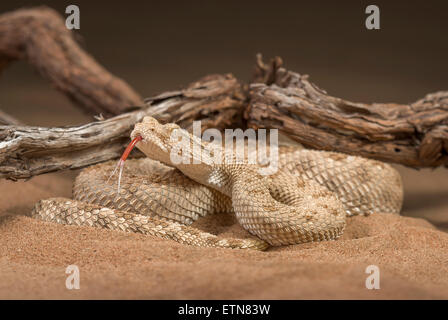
(307, 199)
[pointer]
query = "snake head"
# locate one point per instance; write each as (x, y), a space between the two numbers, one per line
(155, 142)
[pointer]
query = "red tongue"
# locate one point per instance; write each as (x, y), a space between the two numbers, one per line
(123, 158)
(129, 148)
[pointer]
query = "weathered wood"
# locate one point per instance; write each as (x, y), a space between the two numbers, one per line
(414, 135)
(39, 36)
(27, 151)
(218, 101)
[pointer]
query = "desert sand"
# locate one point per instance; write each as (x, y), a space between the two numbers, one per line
(411, 252)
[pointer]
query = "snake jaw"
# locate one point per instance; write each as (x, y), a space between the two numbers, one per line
(155, 141)
(151, 138)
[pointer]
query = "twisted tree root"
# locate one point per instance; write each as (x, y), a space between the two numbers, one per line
(26, 151)
(414, 135)
(39, 36)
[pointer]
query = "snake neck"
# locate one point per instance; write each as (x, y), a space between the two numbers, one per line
(224, 177)
(207, 163)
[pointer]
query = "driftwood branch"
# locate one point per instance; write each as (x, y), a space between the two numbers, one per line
(39, 36)
(28, 151)
(414, 135)
(218, 101)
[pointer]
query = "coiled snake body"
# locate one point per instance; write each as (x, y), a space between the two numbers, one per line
(307, 199)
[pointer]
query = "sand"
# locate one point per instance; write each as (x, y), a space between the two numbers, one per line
(411, 253)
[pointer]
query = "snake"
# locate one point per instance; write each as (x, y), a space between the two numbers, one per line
(307, 199)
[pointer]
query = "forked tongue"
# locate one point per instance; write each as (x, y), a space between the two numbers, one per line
(123, 158)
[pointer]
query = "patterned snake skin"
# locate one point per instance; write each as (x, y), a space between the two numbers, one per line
(307, 199)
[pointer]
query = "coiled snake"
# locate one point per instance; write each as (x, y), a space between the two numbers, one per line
(307, 199)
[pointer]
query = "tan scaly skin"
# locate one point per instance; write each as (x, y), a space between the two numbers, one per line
(307, 199)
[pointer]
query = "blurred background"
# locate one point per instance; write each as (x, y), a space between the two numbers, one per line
(163, 45)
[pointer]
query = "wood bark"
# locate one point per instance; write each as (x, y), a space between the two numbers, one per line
(414, 135)
(39, 36)
(27, 151)
(218, 101)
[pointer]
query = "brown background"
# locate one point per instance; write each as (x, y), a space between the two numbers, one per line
(162, 45)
